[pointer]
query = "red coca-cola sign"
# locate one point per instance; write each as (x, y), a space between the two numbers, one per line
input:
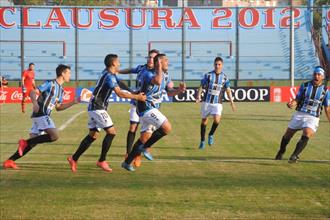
(14, 95)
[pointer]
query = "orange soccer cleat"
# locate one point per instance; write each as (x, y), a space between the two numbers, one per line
(10, 164)
(137, 161)
(73, 164)
(104, 165)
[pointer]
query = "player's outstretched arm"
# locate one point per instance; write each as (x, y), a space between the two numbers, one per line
(122, 94)
(63, 106)
(123, 85)
(233, 106)
(125, 71)
(173, 92)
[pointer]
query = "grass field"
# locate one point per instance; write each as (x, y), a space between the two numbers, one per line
(235, 179)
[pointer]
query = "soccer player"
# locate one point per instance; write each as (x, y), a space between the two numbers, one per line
(51, 96)
(28, 84)
(97, 113)
(214, 83)
(134, 118)
(311, 97)
(154, 125)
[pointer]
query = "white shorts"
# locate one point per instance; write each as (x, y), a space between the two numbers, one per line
(152, 120)
(99, 119)
(39, 124)
(302, 120)
(210, 109)
(133, 116)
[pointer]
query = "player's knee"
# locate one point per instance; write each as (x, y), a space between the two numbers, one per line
(167, 127)
(54, 137)
(133, 127)
(111, 131)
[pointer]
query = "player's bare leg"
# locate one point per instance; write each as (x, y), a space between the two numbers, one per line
(307, 134)
(23, 103)
(216, 121)
(284, 142)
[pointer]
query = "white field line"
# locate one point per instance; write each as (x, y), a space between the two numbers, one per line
(63, 126)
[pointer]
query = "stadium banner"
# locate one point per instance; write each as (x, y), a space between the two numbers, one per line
(240, 94)
(283, 93)
(86, 94)
(14, 95)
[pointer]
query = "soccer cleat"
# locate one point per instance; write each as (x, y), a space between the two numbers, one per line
(147, 155)
(104, 165)
(210, 140)
(201, 145)
(10, 164)
(127, 166)
(293, 159)
(22, 144)
(73, 164)
(137, 161)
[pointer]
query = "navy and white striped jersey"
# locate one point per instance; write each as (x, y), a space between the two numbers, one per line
(153, 92)
(51, 93)
(138, 70)
(311, 98)
(214, 86)
(102, 92)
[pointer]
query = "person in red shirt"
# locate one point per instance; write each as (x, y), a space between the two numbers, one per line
(28, 84)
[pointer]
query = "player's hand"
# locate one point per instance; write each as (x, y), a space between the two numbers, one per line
(141, 97)
(198, 100)
(158, 67)
(292, 104)
(182, 87)
(233, 107)
(35, 107)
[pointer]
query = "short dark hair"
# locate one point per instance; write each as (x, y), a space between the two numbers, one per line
(218, 59)
(108, 60)
(60, 69)
(153, 51)
(158, 56)
(30, 64)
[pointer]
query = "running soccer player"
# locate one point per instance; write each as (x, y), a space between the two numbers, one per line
(311, 97)
(154, 125)
(51, 96)
(98, 115)
(28, 84)
(134, 118)
(214, 83)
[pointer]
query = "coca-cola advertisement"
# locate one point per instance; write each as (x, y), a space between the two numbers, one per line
(14, 95)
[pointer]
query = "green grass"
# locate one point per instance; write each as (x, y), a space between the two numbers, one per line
(235, 179)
